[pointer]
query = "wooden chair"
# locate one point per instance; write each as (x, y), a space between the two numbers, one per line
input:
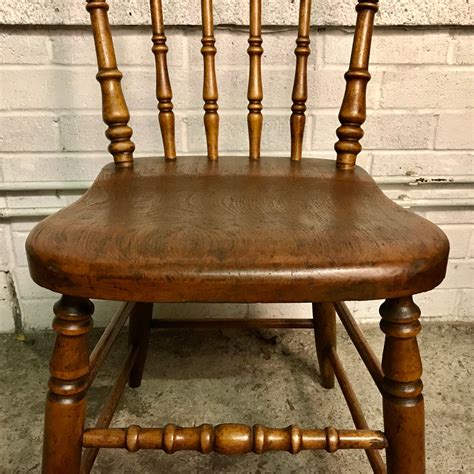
(191, 229)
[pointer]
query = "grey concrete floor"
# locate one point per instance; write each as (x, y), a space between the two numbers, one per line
(235, 376)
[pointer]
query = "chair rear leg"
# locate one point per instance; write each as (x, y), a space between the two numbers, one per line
(66, 403)
(139, 334)
(403, 406)
(324, 318)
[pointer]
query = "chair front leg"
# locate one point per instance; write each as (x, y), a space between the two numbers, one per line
(324, 319)
(403, 405)
(66, 403)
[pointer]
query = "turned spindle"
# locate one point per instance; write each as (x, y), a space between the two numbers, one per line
(65, 403)
(353, 109)
(300, 85)
(403, 405)
(233, 438)
(255, 88)
(209, 94)
(164, 93)
(114, 108)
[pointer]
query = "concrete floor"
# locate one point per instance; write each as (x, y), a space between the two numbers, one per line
(249, 377)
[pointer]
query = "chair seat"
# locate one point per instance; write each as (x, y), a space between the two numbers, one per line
(236, 231)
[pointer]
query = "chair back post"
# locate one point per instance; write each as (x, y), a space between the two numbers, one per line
(300, 85)
(164, 93)
(210, 94)
(114, 108)
(255, 88)
(353, 110)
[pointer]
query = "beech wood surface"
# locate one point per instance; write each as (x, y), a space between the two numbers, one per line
(300, 86)
(209, 91)
(114, 108)
(255, 88)
(353, 109)
(164, 93)
(233, 438)
(236, 230)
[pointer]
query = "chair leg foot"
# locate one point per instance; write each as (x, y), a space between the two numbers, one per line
(139, 334)
(403, 405)
(66, 402)
(324, 317)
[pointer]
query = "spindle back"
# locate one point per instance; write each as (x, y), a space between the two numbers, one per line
(116, 115)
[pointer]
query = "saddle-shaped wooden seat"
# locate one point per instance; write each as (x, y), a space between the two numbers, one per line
(236, 231)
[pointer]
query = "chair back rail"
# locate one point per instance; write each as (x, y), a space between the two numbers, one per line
(351, 116)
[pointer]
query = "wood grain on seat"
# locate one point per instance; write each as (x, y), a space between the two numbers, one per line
(236, 230)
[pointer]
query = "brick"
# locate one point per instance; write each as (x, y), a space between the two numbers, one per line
(410, 88)
(420, 164)
(233, 133)
(464, 48)
(40, 199)
(455, 131)
(85, 133)
(7, 324)
(27, 287)
(459, 237)
(390, 46)
(451, 216)
(132, 46)
(38, 313)
(50, 89)
(19, 239)
(278, 48)
(4, 254)
(382, 131)
(56, 167)
(465, 310)
(460, 274)
(16, 47)
(29, 133)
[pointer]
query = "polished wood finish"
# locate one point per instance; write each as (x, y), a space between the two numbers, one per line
(209, 92)
(300, 86)
(110, 406)
(114, 108)
(106, 341)
(226, 323)
(403, 406)
(255, 88)
(232, 438)
(324, 318)
(164, 94)
(358, 417)
(360, 343)
(66, 403)
(138, 336)
(353, 110)
(271, 230)
(235, 230)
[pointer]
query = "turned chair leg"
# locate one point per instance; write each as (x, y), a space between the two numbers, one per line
(139, 335)
(403, 406)
(66, 403)
(324, 318)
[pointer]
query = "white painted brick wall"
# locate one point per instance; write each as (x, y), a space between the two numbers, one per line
(420, 105)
